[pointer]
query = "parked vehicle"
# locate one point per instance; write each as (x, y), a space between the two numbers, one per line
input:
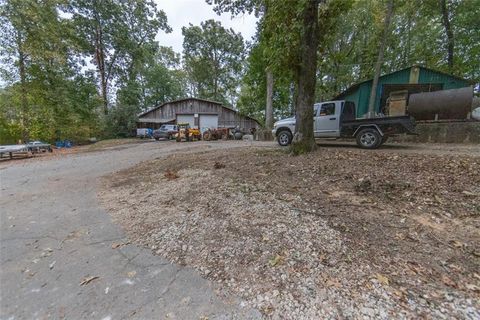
(217, 134)
(144, 133)
(166, 131)
(186, 133)
(39, 146)
(337, 119)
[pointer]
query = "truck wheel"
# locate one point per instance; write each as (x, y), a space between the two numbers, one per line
(284, 138)
(369, 139)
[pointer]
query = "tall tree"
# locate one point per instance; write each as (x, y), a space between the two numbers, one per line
(213, 58)
(253, 93)
(269, 102)
(39, 70)
(381, 52)
(116, 34)
(305, 77)
(291, 31)
(21, 46)
(450, 43)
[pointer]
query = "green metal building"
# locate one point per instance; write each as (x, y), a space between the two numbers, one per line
(414, 79)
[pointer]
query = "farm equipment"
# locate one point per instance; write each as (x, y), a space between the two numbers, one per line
(185, 133)
(217, 134)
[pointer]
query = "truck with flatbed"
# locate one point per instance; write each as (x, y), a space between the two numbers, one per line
(337, 119)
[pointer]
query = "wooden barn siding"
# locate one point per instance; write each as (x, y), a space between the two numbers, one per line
(226, 117)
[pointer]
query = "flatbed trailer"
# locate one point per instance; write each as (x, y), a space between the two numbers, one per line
(386, 125)
(24, 149)
(14, 149)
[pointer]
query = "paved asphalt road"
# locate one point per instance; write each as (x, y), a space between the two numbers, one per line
(54, 235)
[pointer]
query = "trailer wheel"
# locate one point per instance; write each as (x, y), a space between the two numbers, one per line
(284, 138)
(369, 139)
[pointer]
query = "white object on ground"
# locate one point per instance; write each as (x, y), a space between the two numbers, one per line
(476, 114)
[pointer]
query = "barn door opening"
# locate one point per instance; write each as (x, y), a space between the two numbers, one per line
(186, 118)
(209, 121)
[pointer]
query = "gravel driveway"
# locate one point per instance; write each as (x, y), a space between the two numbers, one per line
(339, 233)
(63, 258)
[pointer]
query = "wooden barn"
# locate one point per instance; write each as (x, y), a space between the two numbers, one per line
(200, 113)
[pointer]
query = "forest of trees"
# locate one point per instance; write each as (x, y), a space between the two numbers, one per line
(85, 68)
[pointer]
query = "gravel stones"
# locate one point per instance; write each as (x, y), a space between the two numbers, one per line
(317, 236)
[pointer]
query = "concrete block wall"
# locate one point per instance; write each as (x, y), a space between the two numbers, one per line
(444, 132)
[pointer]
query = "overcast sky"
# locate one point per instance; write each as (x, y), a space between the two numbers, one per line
(182, 12)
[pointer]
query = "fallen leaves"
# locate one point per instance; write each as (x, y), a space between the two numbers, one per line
(448, 282)
(382, 279)
(171, 175)
(87, 280)
(457, 244)
(333, 283)
(329, 221)
(275, 260)
(472, 287)
(218, 165)
(468, 193)
(116, 245)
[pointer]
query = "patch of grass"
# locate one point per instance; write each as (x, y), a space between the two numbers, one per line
(108, 143)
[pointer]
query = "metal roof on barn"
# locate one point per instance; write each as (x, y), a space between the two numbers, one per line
(169, 111)
(181, 100)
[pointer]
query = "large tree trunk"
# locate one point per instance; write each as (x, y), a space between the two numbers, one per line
(378, 66)
(269, 102)
(23, 92)
(303, 140)
(449, 33)
(100, 61)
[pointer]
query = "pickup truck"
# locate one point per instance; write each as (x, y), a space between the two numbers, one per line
(337, 119)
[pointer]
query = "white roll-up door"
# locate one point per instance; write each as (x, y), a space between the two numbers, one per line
(186, 118)
(209, 121)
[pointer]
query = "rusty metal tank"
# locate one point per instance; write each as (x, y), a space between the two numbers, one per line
(439, 105)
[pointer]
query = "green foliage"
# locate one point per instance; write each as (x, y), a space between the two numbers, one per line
(119, 36)
(349, 34)
(120, 121)
(253, 88)
(157, 80)
(237, 7)
(213, 58)
(417, 36)
(63, 62)
(45, 93)
(51, 90)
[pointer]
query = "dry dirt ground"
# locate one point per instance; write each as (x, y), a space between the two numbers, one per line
(338, 233)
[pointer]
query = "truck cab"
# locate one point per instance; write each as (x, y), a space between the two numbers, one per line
(327, 117)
